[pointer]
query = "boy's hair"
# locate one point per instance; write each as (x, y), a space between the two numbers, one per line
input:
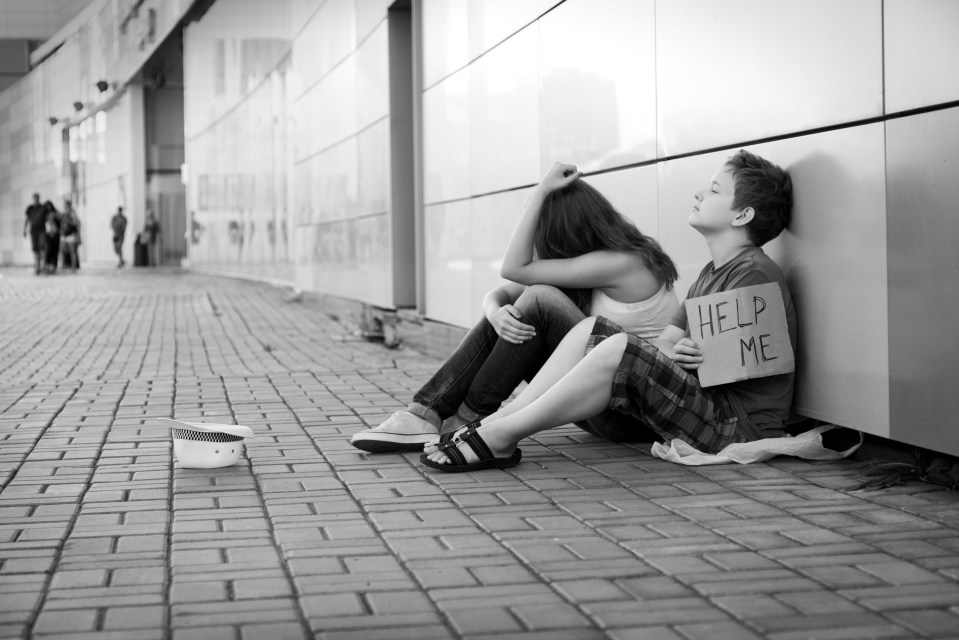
(765, 187)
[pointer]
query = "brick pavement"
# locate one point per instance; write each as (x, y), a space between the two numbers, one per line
(102, 536)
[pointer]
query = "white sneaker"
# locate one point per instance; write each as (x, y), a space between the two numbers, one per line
(402, 431)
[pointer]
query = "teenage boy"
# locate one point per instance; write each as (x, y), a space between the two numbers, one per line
(747, 203)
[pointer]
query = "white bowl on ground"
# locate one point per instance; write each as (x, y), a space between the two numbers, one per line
(206, 445)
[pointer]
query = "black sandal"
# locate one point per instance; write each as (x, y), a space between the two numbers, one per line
(458, 463)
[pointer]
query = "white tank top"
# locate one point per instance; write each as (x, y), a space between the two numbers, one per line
(646, 319)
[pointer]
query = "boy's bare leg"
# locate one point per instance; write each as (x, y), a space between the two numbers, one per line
(583, 392)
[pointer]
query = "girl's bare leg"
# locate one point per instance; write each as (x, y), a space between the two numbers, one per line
(568, 353)
(582, 392)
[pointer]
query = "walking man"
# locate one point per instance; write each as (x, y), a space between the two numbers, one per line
(119, 225)
(36, 219)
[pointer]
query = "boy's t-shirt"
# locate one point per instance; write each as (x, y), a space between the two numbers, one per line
(763, 404)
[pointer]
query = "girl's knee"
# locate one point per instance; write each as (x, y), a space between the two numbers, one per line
(540, 294)
(608, 353)
(577, 338)
(582, 329)
(586, 324)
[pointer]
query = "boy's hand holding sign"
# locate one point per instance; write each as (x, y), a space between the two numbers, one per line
(742, 332)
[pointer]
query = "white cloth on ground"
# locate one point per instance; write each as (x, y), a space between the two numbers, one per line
(807, 445)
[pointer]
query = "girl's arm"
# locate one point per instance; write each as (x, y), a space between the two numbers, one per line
(597, 269)
(519, 252)
(505, 318)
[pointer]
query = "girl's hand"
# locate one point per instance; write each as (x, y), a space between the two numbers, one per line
(508, 327)
(558, 176)
(687, 354)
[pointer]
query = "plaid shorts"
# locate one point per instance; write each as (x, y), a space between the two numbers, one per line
(653, 389)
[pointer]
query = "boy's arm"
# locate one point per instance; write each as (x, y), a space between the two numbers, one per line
(684, 351)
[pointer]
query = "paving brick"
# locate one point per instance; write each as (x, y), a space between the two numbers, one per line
(590, 590)
(261, 588)
(679, 565)
(333, 605)
(740, 560)
(818, 602)
(214, 614)
(125, 634)
(390, 602)
(283, 631)
(840, 577)
(20, 601)
(745, 607)
(200, 591)
(394, 622)
(717, 631)
(901, 573)
(74, 621)
(654, 587)
(448, 599)
(664, 611)
(863, 625)
(484, 619)
(311, 585)
(917, 596)
(504, 574)
(104, 597)
(550, 616)
(935, 623)
(134, 617)
(645, 633)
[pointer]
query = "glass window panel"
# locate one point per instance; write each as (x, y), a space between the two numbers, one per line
(746, 69)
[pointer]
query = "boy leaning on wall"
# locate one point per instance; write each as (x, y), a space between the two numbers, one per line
(747, 203)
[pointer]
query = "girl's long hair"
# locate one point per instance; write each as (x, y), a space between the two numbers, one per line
(578, 219)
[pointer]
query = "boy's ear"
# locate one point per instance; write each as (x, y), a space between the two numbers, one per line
(744, 217)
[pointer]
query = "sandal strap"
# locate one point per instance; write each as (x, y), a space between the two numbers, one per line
(446, 437)
(454, 454)
(468, 435)
(450, 441)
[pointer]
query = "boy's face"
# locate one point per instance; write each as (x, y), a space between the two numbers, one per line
(713, 210)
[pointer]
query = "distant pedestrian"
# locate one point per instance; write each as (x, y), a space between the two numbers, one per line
(119, 225)
(36, 217)
(70, 237)
(52, 232)
(151, 237)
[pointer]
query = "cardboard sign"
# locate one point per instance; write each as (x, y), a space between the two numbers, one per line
(743, 334)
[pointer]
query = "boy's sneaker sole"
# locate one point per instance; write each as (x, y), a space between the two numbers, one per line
(390, 442)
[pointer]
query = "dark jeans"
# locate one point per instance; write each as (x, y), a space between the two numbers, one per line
(484, 370)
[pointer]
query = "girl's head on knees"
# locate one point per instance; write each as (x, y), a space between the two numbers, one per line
(578, 219)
